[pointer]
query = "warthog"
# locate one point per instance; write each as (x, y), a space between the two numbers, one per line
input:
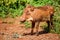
(37, 15)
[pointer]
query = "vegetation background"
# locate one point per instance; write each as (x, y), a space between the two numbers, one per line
(14, 8)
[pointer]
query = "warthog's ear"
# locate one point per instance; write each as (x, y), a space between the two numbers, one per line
(32, 9)
(28, 6)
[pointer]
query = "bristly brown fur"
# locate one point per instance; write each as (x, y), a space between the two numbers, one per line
(38, 14)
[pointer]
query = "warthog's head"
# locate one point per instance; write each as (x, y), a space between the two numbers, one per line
(27, 13)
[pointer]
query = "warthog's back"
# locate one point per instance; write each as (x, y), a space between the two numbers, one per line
(41, 15)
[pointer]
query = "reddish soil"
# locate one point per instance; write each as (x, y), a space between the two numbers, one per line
(11, 29)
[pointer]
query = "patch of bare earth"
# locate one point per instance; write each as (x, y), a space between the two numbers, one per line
(11, 29)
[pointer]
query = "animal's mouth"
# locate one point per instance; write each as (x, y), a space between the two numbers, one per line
(23, 21)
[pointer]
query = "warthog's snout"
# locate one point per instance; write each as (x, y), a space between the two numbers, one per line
(22, 19)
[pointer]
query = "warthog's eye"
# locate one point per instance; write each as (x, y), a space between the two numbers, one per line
(27, 13)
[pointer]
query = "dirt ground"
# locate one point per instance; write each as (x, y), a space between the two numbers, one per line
(11, 29)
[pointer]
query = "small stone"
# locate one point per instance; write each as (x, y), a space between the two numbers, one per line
(15, 35)
(20, 36)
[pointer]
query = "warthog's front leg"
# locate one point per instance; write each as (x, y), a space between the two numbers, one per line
(37, 27)
(33, 25)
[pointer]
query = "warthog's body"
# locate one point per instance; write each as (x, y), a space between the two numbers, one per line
(37, 15)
